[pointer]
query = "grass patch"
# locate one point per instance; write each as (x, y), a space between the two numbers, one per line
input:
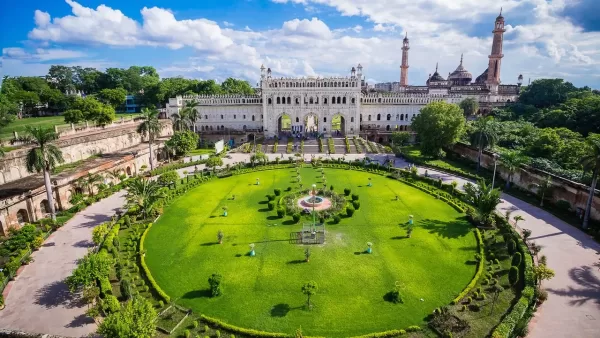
(208, 151)
(263, 292)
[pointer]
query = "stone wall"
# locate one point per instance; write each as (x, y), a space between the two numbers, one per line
(562, 189)
(79, 147)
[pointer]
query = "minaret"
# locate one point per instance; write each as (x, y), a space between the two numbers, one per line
(404, 66)
(495, 62)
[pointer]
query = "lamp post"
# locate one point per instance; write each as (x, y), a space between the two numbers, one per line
(314, 186)
(495, 164)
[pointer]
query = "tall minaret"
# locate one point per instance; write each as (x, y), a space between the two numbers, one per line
(495, 62)
(404, 66)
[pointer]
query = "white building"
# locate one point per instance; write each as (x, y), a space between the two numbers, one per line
(312, 104)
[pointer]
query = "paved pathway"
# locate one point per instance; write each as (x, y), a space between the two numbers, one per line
(39, 301)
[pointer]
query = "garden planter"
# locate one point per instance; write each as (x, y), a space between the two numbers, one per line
(369, 250)
(252, 253)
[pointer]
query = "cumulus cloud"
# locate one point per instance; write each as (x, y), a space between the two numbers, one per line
(42, 19)
(312, 28)
(41, 54)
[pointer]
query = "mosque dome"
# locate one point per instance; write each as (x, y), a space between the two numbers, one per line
(436, 77)
(460, 76)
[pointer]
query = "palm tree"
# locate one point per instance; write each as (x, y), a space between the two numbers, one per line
(179, 121)
(511, 161)
(484, 197)
(151, 127)
(542, 188)
(43, 157)
(470, 106)
(116, 174)
(144, 194)
(190, 113)
(483, 136)
(518, 218)
(591, 162)
(90, 181)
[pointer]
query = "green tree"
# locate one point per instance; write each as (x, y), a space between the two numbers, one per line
(105, 115)
(546, 145)
(30, 101)
(439, 124)
(214, 162)
(470, 106)
(114, 97)
(234, 86)
(544, 93)
(483, 136)
(168, 178)
(73, 116)
(90, 269)
(309, 289)
(190, 114)
(484, 197)
(61, 77)
(90, 181)
(43, 157)
(136, 319)
(258, 157)
(591, 162)
(542, 272)
(144, 194)
(512, 160)
(215, 281)
(542, 188)
(183, 142)
(149, 127)
(399, 139)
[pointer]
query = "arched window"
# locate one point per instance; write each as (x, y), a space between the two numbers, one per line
(278, 100)
(244, 117)
(297, 119)
(234, 116)
(352, 119)
(333, 100)
(324, 119)
(252, 117)
(221, 117)
(344, 100)
(289, 100)
(406, 117)
(244, 127)
(270, 101)
(22, 216)
(310, 100)
(402, 117)
(206, 117)
(360, 118)
(222, 127)
(353, 100)
(379, 100)
(339, 100)
(387, 127)
(389, 117)
(45, 207)
(369, 118)
(324, 100)
(378, 117)
(297, 101)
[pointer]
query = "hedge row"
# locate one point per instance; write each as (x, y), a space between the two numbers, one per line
(479, 271)
(156, 287)
(390, 333)
(108, 240)
(173, 166)
(512, 318)
(247, 332)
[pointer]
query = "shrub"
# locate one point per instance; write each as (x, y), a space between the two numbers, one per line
(277, 192)
(350, 211)
(355, 197)
(187, 333)
(215, 284)
(331, 187)
(110, 304)
(195, 324)
(347, 191)
(125, 288)
(205, 328)
(280, 212)
(105, 287)
(511, 246)
(563, 205)
(218, 333)
(296, 217)
(464, 308)
(516, 259)
(161, 304)
(37, 242)
(469, 300)
(356, 204)
(336, 219)
(271, 205)
(513, 275)
(270, 197)
(542, 296)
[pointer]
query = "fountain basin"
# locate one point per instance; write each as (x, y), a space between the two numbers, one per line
(316, 202)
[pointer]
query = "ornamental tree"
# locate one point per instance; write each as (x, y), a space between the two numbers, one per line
(439, 124)
(90, 268)
(136, 319)
(309, 289)
(183, 142)
(215, 281)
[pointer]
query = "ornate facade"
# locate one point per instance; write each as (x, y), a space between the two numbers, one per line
(312, 104)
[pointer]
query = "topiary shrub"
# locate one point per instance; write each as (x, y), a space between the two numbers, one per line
(186, 333)
(356, 204)
(516, 259)
(195, 324)
(350, 211)
(296, 217)
(110, 304)
(563, 205)
(347, 192)
(513, 275)
(270, 197)
(511, 246)
(277, 192)
(271, 205)
(280, 212)
(336, 219)
(355, 197)
(215, 284)
(161, 304)
(125, 288)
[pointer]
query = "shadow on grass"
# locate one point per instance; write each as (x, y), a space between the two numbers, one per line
(209, 244)
(297, 261)
(263, 210)
(197, 294)
(263, 202)
(281, 310)
(288, 222)
(471, 262)
(452, 229)
(272, 218)
(398, 237)
(357, 253)
(389, 297)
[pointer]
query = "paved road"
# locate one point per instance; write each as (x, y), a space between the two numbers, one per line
(572, 310)
(39, 301)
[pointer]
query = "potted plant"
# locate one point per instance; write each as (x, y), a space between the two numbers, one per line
(369, 245)
(220, 237)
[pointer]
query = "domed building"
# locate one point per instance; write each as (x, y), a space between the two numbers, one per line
(460, 77)
(436, 78)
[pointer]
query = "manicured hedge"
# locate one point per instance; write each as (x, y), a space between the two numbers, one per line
(159, 291)
(479, 271)
(390, 333)
(244, 331)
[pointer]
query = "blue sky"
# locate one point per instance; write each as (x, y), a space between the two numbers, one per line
(217, 39)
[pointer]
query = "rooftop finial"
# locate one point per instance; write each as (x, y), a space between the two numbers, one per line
(436, 67)
(461, 59)
(406, 35)
(500, 11)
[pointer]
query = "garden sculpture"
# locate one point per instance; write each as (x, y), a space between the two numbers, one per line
(252, 253)
(369, 245)
(410, 219)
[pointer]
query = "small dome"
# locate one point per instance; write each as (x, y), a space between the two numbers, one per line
(460, 75)
(436, 77)
(482, 78)
(353, 69)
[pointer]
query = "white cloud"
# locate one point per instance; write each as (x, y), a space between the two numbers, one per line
(384, 28)
(228, 24)
(312, 28)
(42, 19)
(41, 54)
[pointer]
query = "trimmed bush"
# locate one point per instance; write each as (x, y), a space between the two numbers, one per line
(280, 212)
(271, 205)
(356, 204)
(126, 288)
(110, 304)
(350, 211)
(270, 197)
(511, 246)
(277, 192)
(296, 217)
(186, 333)
(355, 197)
(513, 275)
(516, 259)
(336, 219)
(105, 287)
(347, 191)
(195, 324)
(479, 271)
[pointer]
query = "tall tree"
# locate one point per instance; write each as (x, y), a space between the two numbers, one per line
(591, 162)
(470, 106)
(484, 135)
(439, 124)
(235, 86)
(150, 127)
(512, 160)
(484, 197)
(44, 157)
(309, 289)
(61, 78)
(190, 113)
(144, 194)
(114, 97)
(545, 93)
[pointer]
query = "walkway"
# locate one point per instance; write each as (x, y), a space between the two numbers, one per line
(38, 300)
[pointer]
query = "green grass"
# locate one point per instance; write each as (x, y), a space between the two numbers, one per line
(45, 122)
(209, 151)
(263, 292)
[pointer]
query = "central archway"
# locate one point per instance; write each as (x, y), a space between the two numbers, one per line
(338, 125)
(284, 123)
(311, 123)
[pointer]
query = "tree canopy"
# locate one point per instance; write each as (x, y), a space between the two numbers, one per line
(439, 124)
(183, 142)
